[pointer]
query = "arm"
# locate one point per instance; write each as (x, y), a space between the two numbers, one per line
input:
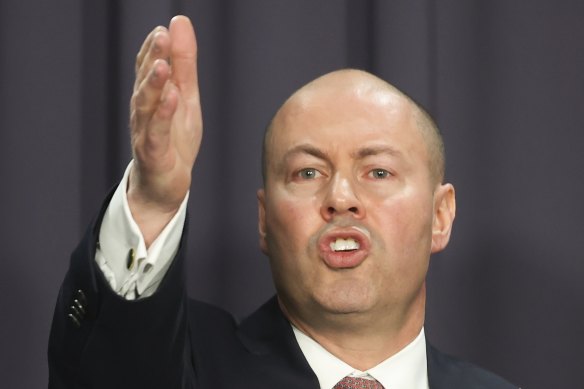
(166, 131)
(144, 343)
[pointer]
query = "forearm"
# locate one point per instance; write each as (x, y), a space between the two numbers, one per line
(133, 269)
(106, 344)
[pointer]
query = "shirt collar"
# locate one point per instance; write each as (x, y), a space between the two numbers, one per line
(406, 369)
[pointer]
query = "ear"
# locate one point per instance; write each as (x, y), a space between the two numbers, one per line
(444, 212)
(261, 194)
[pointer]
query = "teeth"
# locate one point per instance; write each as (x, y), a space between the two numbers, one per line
(344, 245)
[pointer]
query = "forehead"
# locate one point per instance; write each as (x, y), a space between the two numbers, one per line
(347, 117)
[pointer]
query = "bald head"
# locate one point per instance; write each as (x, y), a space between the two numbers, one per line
(359, 83)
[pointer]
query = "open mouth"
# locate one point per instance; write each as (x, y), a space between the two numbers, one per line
(343, 248)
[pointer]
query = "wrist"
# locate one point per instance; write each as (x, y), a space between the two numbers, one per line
(149, 216)
(150, 210)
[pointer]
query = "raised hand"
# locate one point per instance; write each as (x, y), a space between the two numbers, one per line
(166, 125)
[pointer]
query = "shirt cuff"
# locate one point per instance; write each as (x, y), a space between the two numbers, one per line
(132, 270)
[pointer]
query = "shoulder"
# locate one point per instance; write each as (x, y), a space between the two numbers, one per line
(445, 371)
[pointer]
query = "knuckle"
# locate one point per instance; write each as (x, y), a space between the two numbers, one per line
(152, 149)
(138, 61)
(134, 121)
(138, 100)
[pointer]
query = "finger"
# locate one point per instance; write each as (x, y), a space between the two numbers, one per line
(183, 55)
(147, 97)
(158, 48)
(157, 136)
(146, 46)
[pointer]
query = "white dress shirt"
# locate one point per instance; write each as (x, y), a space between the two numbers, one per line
(134, 272)
(405, 370)
(120, 238)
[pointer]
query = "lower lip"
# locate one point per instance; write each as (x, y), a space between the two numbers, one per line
(343, 259)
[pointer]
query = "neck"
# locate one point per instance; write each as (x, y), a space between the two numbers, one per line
(364, 340)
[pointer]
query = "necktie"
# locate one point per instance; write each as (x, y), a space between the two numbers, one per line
(358, 383)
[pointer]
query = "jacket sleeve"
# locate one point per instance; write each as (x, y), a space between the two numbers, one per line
(100, 340)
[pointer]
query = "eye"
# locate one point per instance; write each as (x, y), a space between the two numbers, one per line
(308, 174)
(379, 174)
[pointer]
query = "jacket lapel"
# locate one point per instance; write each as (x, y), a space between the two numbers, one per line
(268, 336)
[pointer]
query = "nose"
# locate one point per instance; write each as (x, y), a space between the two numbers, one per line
(341, 199)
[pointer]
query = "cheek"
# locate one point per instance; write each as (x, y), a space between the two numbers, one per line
(404, 257)
(404, 224)
(289, 224)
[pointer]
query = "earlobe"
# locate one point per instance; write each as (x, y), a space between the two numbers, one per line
(262, 220)
(444, 213)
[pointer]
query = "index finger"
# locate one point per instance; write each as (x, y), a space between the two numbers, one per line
(183, 54)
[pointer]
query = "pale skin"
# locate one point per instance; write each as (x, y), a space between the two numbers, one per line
(166, 125)
(369, 169)
(354, 160)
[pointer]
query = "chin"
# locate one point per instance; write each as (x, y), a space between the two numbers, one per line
(346, 299)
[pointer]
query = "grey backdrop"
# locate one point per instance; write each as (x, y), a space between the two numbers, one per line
(504, 78)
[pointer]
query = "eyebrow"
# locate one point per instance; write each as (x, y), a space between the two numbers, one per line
(307, 149)
(359, 154)
(376, 150)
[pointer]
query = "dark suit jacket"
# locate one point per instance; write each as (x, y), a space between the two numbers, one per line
(100, 340)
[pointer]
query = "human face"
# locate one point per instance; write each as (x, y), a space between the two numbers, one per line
(350, 214)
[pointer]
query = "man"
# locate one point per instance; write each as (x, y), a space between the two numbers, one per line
(352, 207)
